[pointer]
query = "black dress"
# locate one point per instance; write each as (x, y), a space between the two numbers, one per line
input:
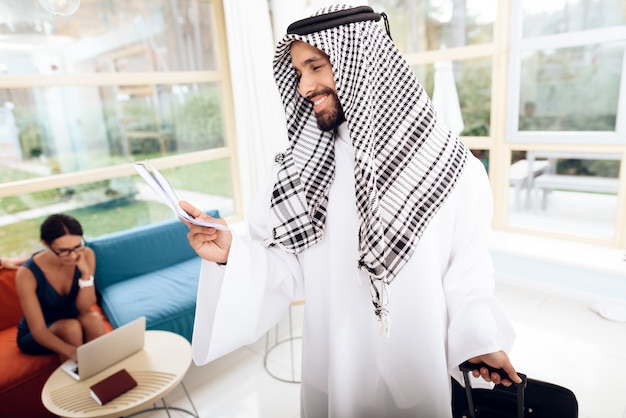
(53, 306)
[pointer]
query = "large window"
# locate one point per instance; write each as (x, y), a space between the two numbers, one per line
(541, 90)
(542, 18)
(419, 26)
(566, 125)
(472, 82)
(82, 96)
(451, 46)
(571, 89)
(535, 88)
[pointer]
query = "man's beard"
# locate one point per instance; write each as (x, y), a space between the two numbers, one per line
(332, 116)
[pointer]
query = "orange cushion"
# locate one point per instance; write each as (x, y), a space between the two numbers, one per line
(10, 309)
(18, 367)
(20, 371)
(107, 325)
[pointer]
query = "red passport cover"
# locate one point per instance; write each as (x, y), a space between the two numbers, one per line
(112, 386)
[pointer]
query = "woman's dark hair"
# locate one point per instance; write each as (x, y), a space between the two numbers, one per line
(58, 225)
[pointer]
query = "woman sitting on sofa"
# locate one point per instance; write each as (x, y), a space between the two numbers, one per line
(56, 291)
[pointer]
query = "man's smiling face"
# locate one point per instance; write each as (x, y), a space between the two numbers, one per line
(317, 84)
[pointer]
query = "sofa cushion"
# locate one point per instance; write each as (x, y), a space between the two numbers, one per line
(22, 379)
(167, 298)
(10, 309)
(17, 367)
(149, 271)
(130, 253)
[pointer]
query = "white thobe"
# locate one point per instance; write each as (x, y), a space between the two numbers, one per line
(441, 304)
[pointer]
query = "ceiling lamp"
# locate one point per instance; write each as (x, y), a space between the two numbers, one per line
(60, 7)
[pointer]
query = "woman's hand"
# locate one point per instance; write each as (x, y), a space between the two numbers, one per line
(71, 353)
(209, 243)
(83, 265)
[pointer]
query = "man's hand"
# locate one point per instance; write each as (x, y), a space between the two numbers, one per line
(209, 243)
(498, 360)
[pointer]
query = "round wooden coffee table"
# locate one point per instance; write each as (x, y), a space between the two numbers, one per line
(158, 369)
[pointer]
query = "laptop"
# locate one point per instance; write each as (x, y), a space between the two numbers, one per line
(106, 350)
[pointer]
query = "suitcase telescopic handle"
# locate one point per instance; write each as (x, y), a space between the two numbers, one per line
(467, 367)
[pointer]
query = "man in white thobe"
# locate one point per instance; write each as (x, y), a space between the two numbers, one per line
(379, 216)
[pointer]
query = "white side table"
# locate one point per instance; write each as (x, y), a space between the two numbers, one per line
(158, 369)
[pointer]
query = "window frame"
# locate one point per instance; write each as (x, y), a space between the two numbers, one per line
(220, 76)
(520, 45)
(581, 142)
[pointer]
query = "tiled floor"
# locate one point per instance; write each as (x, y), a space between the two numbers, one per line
(560, 340)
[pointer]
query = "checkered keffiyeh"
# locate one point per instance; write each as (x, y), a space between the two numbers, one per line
(406, 164)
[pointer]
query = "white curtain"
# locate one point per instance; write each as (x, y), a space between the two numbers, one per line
(259, 115)
(445, 97)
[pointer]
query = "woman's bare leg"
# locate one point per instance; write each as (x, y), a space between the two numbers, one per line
(92, 325)
(69, 330)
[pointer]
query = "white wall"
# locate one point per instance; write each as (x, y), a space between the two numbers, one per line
(259, 115)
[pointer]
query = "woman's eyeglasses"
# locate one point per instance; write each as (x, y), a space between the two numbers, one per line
(66, 252)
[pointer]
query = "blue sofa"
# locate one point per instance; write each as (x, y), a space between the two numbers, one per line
(150, 271)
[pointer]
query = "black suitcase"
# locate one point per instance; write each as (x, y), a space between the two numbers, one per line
(529, 399)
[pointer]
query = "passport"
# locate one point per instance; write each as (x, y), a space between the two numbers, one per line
(113, 386)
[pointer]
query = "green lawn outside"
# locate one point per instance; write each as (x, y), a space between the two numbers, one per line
(22, 237)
